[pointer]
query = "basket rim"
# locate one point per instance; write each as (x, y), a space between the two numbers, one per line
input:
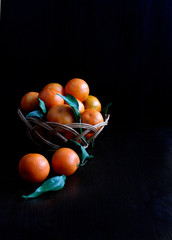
(32, 124)
(72, 125)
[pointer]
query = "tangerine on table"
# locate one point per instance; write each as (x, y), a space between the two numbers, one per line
(34, 167)
(29, 101)
(50, 97)
(65, 161)
(61, 114)
(56, 86)
(78, 88)
(93, 117)
(92, 103)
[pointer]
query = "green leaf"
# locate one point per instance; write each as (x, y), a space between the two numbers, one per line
(105, 109)
(71, 100)
(92, 143)
(52, 184)
(42, 106)
(80, 150)
(36, 113)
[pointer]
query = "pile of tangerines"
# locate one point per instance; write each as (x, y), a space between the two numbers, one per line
(34, 167)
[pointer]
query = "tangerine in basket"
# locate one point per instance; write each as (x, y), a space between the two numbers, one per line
(92, 103)
(78, 88)
(34, 167)
(29, 101)
(50, 97)
(56, 86)
(65, 161)
(81, 106)
(61, 114)
(93, 117)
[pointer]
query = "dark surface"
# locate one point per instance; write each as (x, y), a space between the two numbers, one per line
(123, 50)
(124, 192)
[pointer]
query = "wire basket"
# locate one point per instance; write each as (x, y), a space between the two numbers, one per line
(49, 135)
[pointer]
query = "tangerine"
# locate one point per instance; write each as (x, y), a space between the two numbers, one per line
(50, 97)
(65, 161)
(81, 106)
(92, 103)
(56, 86)
(61, 114)
(93, 117)
(34, 167)
(29, 101)
(78, 88)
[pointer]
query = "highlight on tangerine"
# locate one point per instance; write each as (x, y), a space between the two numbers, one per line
(61, 114)
(34, 167)
(78, 88)
(65, 161)
(56, 86)
(50, 97)
(92, 103)
(29, 101)
(81, 106)
(93, 117)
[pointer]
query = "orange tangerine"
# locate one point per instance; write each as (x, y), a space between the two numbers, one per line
(78, 88)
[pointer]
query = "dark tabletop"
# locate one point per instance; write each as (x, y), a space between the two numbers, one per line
(124, 192)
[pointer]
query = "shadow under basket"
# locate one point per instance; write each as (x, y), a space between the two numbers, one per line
(51, 135)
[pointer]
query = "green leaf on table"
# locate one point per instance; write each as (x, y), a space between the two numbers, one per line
(36, 113)
(52, 184)
(42, 106)
(105, 109)
(73, 103)
(80, 150)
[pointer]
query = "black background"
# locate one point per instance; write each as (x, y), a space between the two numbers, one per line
(123, 50)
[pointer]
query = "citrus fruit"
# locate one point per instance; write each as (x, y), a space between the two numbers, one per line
(50, 97)
(65, 161)
(92, 103)
(29, 101)
(34, 167)
(81, 106)
(56, 86)
(78, 88)
(61, 114)
(91, 116)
